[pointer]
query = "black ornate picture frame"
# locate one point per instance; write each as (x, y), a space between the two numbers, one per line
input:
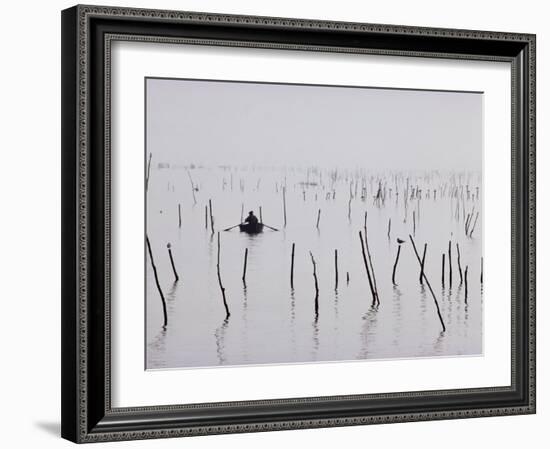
(87, 34)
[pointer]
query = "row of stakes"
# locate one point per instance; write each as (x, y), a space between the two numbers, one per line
(369, 268)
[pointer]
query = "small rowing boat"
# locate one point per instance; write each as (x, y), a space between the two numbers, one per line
(251, 228)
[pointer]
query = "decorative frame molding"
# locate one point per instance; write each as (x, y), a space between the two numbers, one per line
(87, 34)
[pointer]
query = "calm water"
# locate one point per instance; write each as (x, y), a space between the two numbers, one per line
(272, 323)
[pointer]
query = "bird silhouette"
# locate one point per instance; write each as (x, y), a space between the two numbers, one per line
(400, 241)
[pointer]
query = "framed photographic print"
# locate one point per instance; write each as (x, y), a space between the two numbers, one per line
(275, 223)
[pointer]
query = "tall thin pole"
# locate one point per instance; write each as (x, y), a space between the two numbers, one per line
(157, 282)
(367, 268)
(222, 288)
(395, 264)
(316, 285)
(335, 269)
(244, 267)
(429, 286)
(169, 246)
(318, 218)
(443, 269)
(211, 216)
(292, 267)
(422, 263)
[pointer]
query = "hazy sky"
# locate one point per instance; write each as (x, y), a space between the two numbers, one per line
(213, 122)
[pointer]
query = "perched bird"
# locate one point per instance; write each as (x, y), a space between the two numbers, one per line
(400, 241)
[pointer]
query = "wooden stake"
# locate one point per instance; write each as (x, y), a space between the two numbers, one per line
(169, 246)
(292, 267)
(205, 217)
(422, 264)
(244, 267)
(242, 212)
(474, 226)
(335, 269)
(179, 215)
(429, 286)
(395, 263)
(157, 282)
(211, 217)
(389, 228)
(316, 285)
(192, 186)
(481, 272)
(222, 288)
(443, 269)
(367, 268)
(318, 218)
(261, 218)
(370, 260)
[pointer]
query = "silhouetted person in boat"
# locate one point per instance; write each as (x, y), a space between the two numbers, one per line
(252, 220)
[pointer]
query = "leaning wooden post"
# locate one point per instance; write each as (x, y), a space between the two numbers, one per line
(157, 282)
(466, 285)
(450, 267)
(318, 217)
(169, 246)
(179, 215)
(367, 268)
(292, 267)
(481, 272)
(429, 286)
(422, 264)
(395, 263)
(192, 186)
(335, 269)
(222, 288)
(389, 228)
(205, 217)
(211, 216)
(370, 261)
(458, 259)
(244, 267)
(474, 226)
(316, 285)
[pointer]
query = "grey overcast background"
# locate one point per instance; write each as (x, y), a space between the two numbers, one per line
(216, 122)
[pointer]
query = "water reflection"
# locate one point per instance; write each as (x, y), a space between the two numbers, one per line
(219, 334)
(368, 331)
(396, 313)
(315, 337)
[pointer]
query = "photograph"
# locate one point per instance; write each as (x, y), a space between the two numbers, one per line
(302, 223)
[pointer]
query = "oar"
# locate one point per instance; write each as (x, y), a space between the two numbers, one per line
(270, 227)
(229, 229)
